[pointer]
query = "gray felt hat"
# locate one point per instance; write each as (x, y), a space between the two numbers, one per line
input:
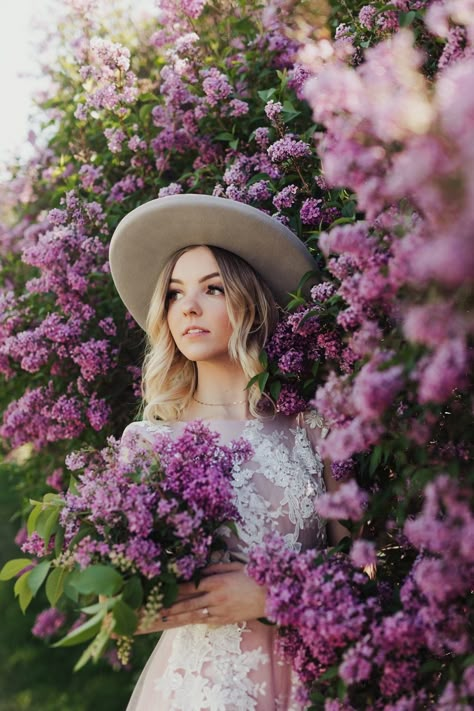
(145, 239)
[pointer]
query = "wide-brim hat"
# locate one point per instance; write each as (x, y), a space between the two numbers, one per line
(147, 236)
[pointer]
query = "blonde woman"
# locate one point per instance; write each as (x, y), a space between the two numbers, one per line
(204, 276)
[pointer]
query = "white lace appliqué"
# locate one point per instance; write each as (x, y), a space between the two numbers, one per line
(208, 670)
(278, 491)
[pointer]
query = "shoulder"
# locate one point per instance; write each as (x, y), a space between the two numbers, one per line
(143, 429)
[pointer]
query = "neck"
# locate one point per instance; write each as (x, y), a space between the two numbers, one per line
(222, 387)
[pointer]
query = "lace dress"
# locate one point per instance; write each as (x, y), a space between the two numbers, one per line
(236, 667)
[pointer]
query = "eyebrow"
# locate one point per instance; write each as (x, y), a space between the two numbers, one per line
(204, 278)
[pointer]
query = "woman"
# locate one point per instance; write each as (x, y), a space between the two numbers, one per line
(203, 276)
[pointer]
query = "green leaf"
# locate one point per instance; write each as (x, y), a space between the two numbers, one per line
(224, 136)
(38, 575)
(22, 591)
(275, 389)
(145, 112)
(375, 458)
(51, 525)
(97, 580)
(313, 273)
(468, 661)
(55, 585)
(105, 604)
(133, 592)
(170, 591)
(263, 358)
(83, 633)
(262, 381)
(253, 380)
(330, 673)
(342, 221)
(126, 619)
(430, 666)
(13, 567)
(47, 522)
(349, 209)
(266, 94)
(149, 96)
(341, 689)
(295, 301)
(82, 533)
(94, 650)
(58, 541)
(406, 18)
(32, 518)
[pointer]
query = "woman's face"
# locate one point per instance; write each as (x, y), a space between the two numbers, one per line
(197, 311)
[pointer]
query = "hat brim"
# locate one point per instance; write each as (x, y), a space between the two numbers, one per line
(146, 238)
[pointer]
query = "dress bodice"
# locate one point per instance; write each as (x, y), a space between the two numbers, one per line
(275, 490)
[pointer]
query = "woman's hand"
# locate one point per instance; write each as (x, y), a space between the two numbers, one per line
(225, 595)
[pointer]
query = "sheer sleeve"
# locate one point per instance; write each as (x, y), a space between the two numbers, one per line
(315, 427)
(139, 433)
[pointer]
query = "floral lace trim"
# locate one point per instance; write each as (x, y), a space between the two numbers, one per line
(217, 672)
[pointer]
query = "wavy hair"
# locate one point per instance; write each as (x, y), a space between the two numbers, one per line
(169, 378)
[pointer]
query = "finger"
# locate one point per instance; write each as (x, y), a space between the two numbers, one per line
(186, 595)
(186, 606)
(190, 589)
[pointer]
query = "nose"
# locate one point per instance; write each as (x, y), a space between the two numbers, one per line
(190, 306)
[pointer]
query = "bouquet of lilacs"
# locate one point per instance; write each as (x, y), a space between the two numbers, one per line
(138, 518)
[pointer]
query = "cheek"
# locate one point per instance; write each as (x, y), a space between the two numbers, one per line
(223, 319)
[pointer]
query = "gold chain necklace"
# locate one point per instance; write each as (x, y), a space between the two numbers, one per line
(219, 404)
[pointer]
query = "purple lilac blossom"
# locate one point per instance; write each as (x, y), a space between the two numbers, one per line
(286, 197)
(288, 148)
(273, 109)
(48, 622)
(348, 502)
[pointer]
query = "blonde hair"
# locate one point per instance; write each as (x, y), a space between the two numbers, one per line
(169, 378)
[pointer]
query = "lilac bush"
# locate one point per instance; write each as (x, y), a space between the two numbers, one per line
(398, 297)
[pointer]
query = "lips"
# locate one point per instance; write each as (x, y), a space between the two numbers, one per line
(194, 331)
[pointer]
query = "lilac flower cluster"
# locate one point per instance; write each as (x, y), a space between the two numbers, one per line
(300, 339)
(67, 250)
(48, 623)
(147, 510)
(107, 79)
(321, 603)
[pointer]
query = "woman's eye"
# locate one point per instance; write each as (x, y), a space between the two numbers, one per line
(172, 295)
(213, 289)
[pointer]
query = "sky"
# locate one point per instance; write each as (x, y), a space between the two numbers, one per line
(18, 69)
(16, 58)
